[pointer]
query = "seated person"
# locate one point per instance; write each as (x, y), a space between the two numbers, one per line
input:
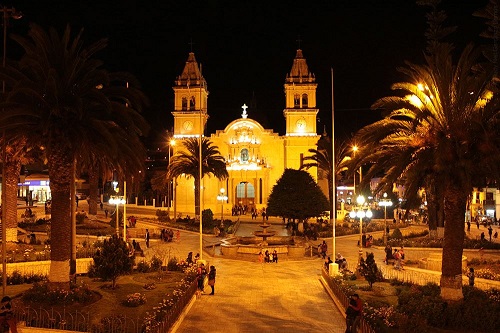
(328, 261)
(338, 259)
(189, 259)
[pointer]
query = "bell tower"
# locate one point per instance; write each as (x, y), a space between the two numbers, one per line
(190, 101)
(300, 99)
(300, 114)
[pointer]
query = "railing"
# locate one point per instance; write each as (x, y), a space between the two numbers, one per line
(364, 326)
(81, 321)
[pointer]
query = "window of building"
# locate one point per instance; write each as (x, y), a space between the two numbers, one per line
(304, 101)
(184, 104)
(192, 103)
(296, 101)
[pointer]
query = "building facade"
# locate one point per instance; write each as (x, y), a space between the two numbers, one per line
(255, 156)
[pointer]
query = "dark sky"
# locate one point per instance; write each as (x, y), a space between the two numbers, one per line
(247, 48)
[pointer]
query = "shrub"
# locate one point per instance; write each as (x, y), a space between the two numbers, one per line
(134, 300)
(41, 293)
(150, 286)
(397, 234)
(143, 267)
(172, 265)
(208, 216)
(162, 215)
(80, 217)
(112, 260)
(370, 270)
(156, 263)
(15, 278)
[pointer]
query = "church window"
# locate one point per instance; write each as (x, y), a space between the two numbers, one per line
(184, 104)
(296, 101)
(304, 101)
(244, 155)
(192, 103)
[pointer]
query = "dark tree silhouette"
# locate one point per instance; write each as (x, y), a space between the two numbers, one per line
(296, 195)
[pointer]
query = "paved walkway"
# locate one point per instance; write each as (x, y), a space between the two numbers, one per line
(254, 297)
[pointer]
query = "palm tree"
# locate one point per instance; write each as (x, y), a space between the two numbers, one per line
(186, 161)
(61, 99)
(16, 154)
(322, 159)
(443, 127)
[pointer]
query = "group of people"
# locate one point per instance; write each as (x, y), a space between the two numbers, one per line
(339, 260)
(190, 260)
(268, 257)
(398, 255)
(201, 274)
(167, 235)
(367, 240)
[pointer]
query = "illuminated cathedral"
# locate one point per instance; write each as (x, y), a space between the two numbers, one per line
(255, 156)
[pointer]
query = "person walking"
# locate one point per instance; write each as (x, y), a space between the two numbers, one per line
(490, 231)
(146, 237)
(353, 313)
(324, 249)
(6, 315)
(211, 278)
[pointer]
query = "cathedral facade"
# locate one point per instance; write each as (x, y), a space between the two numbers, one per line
(255, 156)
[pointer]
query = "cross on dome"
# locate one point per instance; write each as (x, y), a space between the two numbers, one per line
(244, 114)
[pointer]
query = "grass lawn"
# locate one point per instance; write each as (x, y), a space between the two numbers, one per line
(108, 301)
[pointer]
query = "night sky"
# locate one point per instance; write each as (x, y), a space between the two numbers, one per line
(246, 49)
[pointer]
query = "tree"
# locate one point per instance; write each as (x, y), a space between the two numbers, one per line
(296, 195)
(322, 159)
(113, 260)
(369, 269)
(60, 98)
(186, 162)
(442, 126)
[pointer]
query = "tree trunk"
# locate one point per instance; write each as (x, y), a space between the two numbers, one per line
(12, 169)
(60, 172)
(455, 200)
(435, 207)
(94, 188)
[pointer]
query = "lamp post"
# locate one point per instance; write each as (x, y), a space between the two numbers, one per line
(7, 13)
(116, 200)
(354, 150)
(385, 202)
(171, 143)
(360, 212)
(222, 197)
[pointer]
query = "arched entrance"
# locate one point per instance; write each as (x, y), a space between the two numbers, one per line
(245, 195)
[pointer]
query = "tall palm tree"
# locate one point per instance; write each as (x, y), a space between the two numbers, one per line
(61, 99)
(186, 161)
(16, 154)
(322, 159)
(443, 126)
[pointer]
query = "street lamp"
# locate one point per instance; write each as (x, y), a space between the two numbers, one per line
(222, 198)
(385, 203)
(171, 143)
(354, 150)
(361, 212)
(117, 200)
